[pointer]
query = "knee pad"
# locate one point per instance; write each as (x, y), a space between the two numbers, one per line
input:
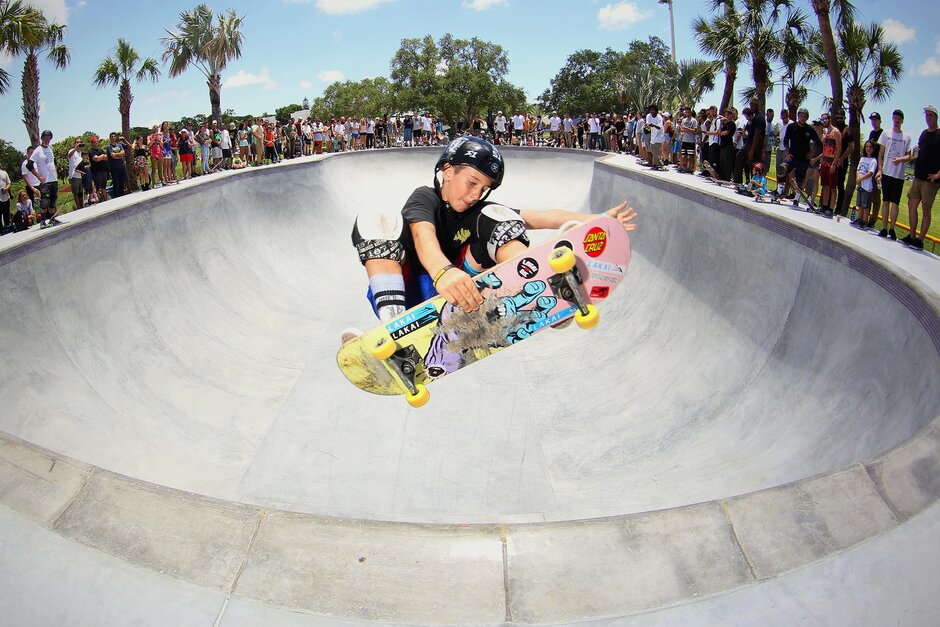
(379, 234)
(496, 225)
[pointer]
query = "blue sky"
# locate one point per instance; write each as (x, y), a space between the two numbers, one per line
(295, 48)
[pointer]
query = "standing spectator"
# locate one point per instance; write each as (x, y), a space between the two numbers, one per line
(688, 129)
(655, 123)
(75, 178)
(865, 175)
(593, 128)
(226, 145)
(370, 132)
(99, 169)
(849, 142)
(32, 183)
(500, 124)
(727, 136)
(187, 153)
(427, 124)
(155, 144)
(714, 138)
(754, 140)
(409, 126)
(140, 162)
(257, 131)
(83, 169)
(893, 156)
(174, 152)
(5, 217)
(873, 137)
(828, 164)
(518, 127)
(205, 146)
(169, 176)
(44, 168)
(116, 165)
(926, 178)
(269, 154)
(771, 130)
(243, 142)
(780, 133)
(317, 136)
(812, 172)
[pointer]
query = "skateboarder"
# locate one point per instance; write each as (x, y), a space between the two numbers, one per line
(447, 234)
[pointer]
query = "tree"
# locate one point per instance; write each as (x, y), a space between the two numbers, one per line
(19, 25)
(723, 38)
(582, 83)
(117, 71)
(10, 159)
(798, 69)
(47, 39)
(456, 78)
(368, 97)
(283, 113)
(207, 42)
(845, 15)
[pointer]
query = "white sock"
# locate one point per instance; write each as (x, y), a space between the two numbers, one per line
(388, 291)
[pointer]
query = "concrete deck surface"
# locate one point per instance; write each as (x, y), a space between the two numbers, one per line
(753, 422)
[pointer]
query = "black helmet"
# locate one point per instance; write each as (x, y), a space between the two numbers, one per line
(477, 153)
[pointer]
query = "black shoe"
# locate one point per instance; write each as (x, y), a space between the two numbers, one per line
(907, 240)
(883, 233)
(872, 222)
(917, 243)
(892, 235)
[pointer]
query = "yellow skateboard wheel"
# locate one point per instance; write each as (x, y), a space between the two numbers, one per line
(383, 348)
(420, 397)
(561, 260)
(588, 320)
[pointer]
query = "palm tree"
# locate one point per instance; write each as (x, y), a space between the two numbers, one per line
(48, 39)
(117, 71)
(723, 38)
(870, 69)
(798, 69)
(689, 80)
(845, 15)
(19, 25)
(765, 38)
(208, 42)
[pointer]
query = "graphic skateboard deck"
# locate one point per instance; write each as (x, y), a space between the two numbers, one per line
(564, 277)
(713, 175)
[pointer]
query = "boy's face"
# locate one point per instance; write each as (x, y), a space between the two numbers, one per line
(463, 186)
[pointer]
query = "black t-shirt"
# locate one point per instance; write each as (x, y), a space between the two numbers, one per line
(928, 155)
(757, 126)
(728, 127)
(97, 166)
(874, 136)
(798, 140)
(454, 230)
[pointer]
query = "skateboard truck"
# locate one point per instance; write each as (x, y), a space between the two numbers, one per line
(402, 368)
(565, 284)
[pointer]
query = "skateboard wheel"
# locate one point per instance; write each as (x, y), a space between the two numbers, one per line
(383, 348)
(561, 260)
(588, 320)
(420, 397)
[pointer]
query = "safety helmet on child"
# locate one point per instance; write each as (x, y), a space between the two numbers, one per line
(759, 167)
(478, 154)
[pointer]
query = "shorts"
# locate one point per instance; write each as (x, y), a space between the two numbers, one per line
(518, 132)
(100, 179)
(827, 177)
(646, 139)
(48, 195)
(688, 148)
(76, 184)
(140, 163)
(187, 157)
(892, 189)
(798, 167)
(407, 134)
(925, 191)
(167, 153)
(226, 153)
(216, 153)
(863, 198)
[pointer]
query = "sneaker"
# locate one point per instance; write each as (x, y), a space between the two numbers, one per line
(907, 240)
(883, 233)
(917, 243)
(348, 334)
(796, 203)
(871, 222)
(892, 235)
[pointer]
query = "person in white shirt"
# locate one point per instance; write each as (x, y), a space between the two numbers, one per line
(567, 126)
(75, 179)
(780, 134)
(225, 143)
(654, 122)
(518, 127)
(865, 176)
(894, 154)
(500, 124)
(317, 136)
(5, 217)
(43, 167)
(554, 128)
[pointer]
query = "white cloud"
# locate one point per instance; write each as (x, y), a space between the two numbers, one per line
(331, 76)
(247, 79)
(305, 85)
(930, 67)
(54, 10)
(937, 47)
(345, 7)
(620, 16)
(896, 32)
(483, 5)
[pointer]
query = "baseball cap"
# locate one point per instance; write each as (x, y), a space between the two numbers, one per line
(874, 116)
(94, 138)
(930, 109)
(898, 112)
(46, 133)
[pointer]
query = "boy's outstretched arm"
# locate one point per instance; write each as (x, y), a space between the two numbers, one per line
(554, 218)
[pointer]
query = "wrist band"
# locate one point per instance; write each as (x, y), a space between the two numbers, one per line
(440, 273)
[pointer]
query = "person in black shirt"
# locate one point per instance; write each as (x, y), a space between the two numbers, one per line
(447, 234)
(873, 137)
(926, 178)
(99, 169)
(116, 163)
(849, 142)
(726, 143)
(798, 140)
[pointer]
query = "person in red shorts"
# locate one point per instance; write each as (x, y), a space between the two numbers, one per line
(828, 168)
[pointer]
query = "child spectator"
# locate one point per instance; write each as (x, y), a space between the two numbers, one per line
(867, 168)
(24, 216)
(140, 162)
(758, 183)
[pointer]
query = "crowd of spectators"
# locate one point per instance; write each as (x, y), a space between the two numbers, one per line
(724, 144)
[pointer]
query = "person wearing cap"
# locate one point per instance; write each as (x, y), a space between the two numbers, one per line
(873, 137)
(798, 141)
(893, 157)
(75, 178)
(554, 129)
(99, 168)
(42, 165)
(187, 153)
(656, 126)
(225, 143)
(447, 234)
(116, 152)
(926, 178)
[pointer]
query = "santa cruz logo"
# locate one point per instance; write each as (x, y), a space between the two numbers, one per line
(595, 241)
